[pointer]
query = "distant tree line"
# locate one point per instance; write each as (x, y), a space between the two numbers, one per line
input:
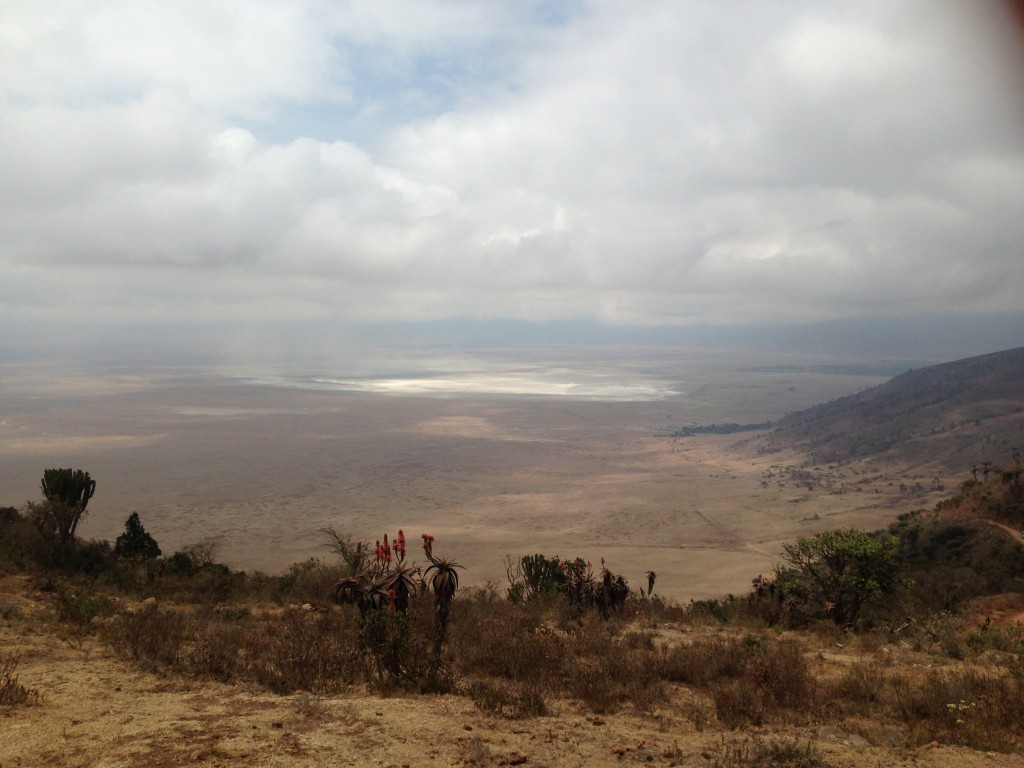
(719, 429)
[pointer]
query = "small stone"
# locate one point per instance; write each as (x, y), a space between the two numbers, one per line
(149, 601)
(307, 607)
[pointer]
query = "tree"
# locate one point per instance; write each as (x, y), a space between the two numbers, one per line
(67, 493)
(840, 571)
(135, 543)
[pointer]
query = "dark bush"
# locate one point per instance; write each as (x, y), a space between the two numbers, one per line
(135, 543)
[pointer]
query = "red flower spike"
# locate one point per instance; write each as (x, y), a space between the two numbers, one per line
(400, 545)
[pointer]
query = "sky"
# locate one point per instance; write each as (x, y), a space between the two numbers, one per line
(421, 163)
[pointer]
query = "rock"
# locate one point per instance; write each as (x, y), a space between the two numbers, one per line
(308, 607)
(839, 736)
(149, 602)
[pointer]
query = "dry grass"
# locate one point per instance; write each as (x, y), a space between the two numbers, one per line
(293, 650)
(516, 661)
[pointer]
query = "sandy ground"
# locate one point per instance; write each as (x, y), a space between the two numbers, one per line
(264, 469)
(98, 711)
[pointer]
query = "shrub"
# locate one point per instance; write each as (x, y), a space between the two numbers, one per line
(21, 544)
(514, 700)
(858, 690)
(311, 581)
(608, 670)
(12, 692)
(713, 610)
(79, 605)
(749, 678)
(837, 572)
(965, 707)
(781, 753)
(509, 644)
(154, 639)
(301, 651)
(534, 575)
(135, 543)
(702, 662)
(386, 639)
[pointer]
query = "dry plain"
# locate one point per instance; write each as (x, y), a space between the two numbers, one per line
(204, 453)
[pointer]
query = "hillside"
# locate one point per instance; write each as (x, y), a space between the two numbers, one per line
(107, 659)
(949, 417)
(91, 675)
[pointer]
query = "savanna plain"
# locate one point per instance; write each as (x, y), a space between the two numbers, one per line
(261, 468)
(253, 468)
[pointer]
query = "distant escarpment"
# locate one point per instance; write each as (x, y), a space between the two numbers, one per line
(951, 416)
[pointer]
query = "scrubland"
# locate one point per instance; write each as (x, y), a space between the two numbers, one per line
(115, 662)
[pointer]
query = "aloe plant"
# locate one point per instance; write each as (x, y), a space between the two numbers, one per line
(385, 585)
(443, 577)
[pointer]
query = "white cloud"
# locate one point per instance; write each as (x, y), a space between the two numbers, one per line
(642, 164)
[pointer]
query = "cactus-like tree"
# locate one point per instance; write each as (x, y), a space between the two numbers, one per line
(67, 493)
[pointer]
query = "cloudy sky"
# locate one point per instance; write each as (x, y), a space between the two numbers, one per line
(641, 163)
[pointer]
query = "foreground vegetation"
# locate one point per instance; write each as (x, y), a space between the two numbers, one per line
(893, 637)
